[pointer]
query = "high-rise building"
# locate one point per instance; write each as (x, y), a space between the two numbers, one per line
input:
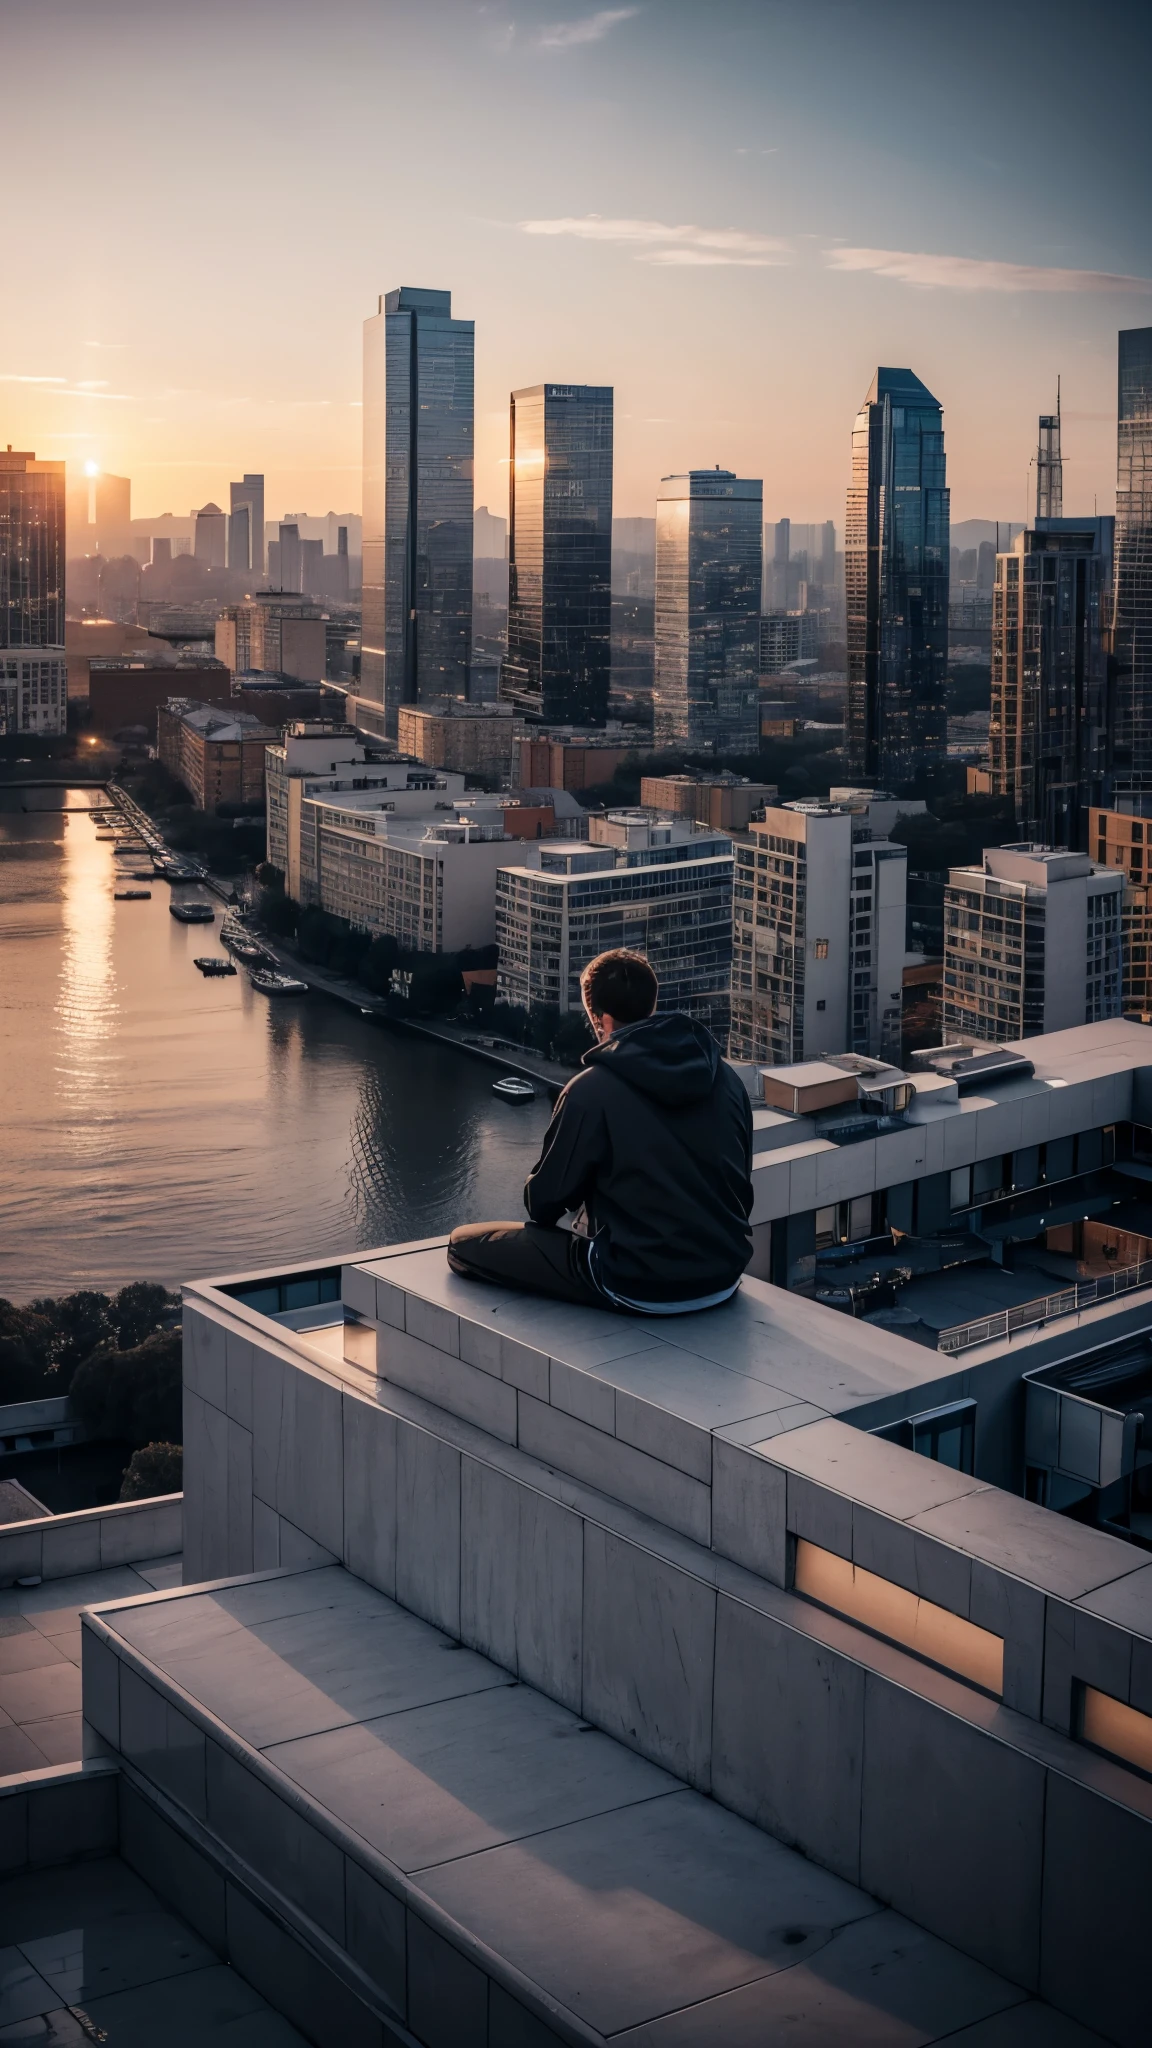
(113, 496)
(312, 566)
(211, 545)
(1049, 465)
(818, 934)
(33, 666)
(662, 886)
(290, 558)
(896, 554)
(708, 585)
(1123, 840)
(418, 435)
(560, 553)
(1032, 943)
(1048, 736)
(489, 535)
(1132, 588)
(246, 525)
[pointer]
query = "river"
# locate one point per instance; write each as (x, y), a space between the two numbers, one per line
(158, 1125)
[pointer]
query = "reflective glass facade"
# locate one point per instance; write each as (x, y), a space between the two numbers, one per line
(709, 566)
(896, 577)
(1132, 615)
(31, 551)
(418, 439)
(246, 524)
(560, 554)
(1049, 726)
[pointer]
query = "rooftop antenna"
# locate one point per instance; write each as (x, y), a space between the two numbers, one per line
(1050, 465)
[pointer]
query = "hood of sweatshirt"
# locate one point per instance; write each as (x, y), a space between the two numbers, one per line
(671, 1058)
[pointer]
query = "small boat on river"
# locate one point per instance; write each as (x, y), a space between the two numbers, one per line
(131, 895)
(212, 963)
(511, 1088)
(270, 982)
(193, 913)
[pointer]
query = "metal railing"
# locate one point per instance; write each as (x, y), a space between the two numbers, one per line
(1028, 1314)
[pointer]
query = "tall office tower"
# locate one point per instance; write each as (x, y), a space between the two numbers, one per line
(291, 557)
(1049, 465)
(33, 668)
(211, 546)
(246, 525)
(1132, 589)
(560, 554)
(827, 569)
(417, 563)
(1049, 726)
(709, 565)
(781, 556)
(113, 495)
(896, 557)
(312, 566)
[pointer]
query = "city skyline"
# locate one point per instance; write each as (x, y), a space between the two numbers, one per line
(734, 292)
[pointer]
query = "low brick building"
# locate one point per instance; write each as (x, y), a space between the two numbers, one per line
(217, 755)
(124, 691)
(467, 739)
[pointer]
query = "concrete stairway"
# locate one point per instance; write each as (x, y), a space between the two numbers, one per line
(399, 1842)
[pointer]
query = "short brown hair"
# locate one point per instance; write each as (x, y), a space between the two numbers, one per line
(620, 985)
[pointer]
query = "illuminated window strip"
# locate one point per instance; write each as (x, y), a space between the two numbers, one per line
(889, 1610)
(1122, 1731)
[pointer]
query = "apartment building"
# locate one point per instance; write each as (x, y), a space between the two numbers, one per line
(471, 739)
(425, 877)
(218, 755)
(818, 939)
(315, 758)
(277, 633)
(727, 802)
(1032, 943)
(660, 886)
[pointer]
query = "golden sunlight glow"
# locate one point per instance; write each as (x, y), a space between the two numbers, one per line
(86, 1007)
(91, 469)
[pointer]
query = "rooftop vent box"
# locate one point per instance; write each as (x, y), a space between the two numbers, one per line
(802, 1089)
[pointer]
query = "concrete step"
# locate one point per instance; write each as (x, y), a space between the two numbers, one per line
(470, 1863)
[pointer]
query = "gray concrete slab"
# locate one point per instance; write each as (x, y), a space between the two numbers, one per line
(646, 1910)
(448, 1780)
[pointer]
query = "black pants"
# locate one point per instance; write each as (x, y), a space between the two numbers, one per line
(523, 1255)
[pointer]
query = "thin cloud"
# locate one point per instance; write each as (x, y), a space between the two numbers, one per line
(587, 28)
(13, 377)
(654, 241)
(976, 274)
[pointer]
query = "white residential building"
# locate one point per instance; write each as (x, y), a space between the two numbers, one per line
(1032, 943)
(315, 756)
(426, 877)
(818, 933)
(662, 886)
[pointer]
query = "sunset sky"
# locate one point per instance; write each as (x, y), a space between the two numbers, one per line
(731, 211)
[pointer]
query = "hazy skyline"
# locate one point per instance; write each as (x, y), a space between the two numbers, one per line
(730, 214)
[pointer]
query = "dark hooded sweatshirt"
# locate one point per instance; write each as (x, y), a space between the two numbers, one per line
(653, 1140)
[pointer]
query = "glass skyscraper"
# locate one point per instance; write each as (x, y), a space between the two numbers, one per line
(709, 568)
(246, 525)
(560, 554)
(896, 561)
(1049, 726)
(1132, 608)
(418, 436)
(33, 673)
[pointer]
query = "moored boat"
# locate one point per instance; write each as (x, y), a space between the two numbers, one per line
(193, 913)
(270, 982)
(131, 895)
(212, 963)
(511, 1088)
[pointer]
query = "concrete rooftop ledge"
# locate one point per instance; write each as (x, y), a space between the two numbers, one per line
(688, 1538)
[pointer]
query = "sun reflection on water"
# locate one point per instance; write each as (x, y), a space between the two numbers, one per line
(87, 1008)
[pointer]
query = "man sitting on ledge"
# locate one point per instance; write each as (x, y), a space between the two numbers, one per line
(651, 1147)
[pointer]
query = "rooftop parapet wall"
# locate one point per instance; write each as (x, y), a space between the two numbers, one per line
(539, 1534)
